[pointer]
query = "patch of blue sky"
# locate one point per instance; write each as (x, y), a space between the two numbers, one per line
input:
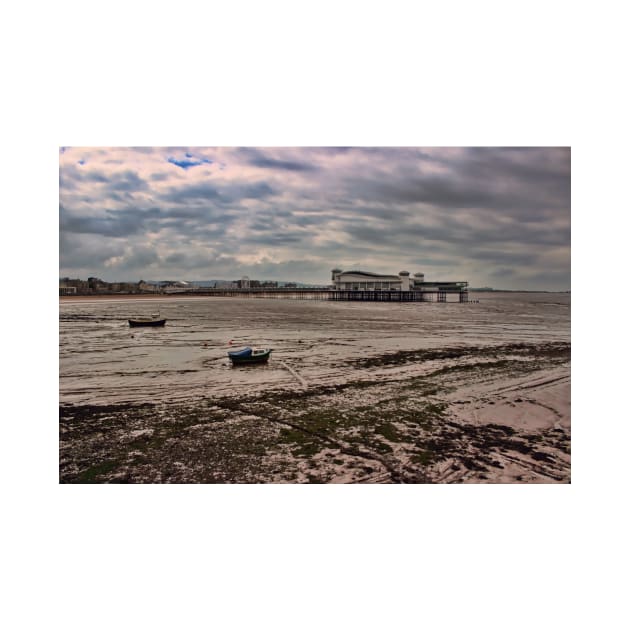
(188, 161)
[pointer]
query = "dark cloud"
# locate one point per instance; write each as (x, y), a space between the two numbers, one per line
(113, 224)
(118, 181)
(129, 221)
(258, 158)
(272, 239)
(95, 177)
(211, 192)
(88, 253)
(127, 181)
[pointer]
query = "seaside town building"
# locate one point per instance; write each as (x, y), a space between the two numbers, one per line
(178, 286)
(366, 281)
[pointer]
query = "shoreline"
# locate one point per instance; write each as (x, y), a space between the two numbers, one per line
(128, 296)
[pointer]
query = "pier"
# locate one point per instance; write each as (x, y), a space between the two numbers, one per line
(433, 294)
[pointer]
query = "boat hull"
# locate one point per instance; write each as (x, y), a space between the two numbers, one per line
(136, 323)
(250, 360)
(247, 357)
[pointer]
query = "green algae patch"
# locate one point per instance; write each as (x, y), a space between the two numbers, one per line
(423, 458)
(98, 472)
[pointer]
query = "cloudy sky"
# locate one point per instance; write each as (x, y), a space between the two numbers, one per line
(496, 217)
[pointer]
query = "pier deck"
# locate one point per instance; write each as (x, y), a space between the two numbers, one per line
(427, 295)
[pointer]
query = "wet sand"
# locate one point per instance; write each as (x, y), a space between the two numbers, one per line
(420, 393)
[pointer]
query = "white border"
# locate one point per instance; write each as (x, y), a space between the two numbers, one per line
(449, 74)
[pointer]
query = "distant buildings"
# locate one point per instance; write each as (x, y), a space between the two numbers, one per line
(70, 286)
(246, 283)
(147, 287)
(93, 286)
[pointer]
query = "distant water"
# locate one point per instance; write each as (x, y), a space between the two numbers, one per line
(103, 360)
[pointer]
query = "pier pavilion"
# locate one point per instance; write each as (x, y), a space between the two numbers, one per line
(367, 281)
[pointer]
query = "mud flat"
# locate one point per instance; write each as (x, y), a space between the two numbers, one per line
(495, 412)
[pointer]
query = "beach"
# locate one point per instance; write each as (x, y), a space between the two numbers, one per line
(353, 393)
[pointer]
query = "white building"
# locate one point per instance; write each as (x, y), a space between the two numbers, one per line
(366, 281)
(180, 286)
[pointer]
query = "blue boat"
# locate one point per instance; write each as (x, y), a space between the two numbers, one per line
(247, 355)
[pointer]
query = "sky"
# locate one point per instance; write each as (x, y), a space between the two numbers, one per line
(497, 217)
